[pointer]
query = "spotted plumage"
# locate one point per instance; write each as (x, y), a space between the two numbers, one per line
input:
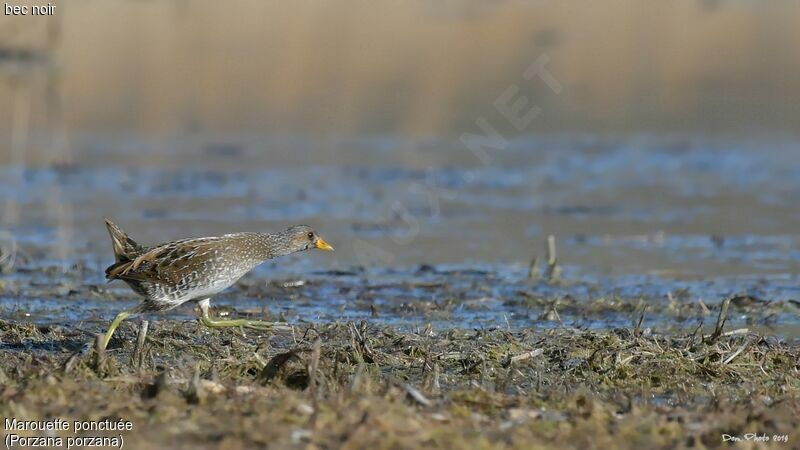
(168, 275)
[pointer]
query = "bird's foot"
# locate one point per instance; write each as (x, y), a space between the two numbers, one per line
(259, 325)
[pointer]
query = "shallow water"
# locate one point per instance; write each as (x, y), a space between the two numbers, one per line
(638, 217)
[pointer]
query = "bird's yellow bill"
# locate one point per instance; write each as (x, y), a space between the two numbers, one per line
(322, 245)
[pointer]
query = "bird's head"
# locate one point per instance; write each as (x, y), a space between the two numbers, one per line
(303, 237)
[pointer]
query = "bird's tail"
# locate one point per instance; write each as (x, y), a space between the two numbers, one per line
(125, 248)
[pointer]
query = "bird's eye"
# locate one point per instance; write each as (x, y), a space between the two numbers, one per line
(310, 235)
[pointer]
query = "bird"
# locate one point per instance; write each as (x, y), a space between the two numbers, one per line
(194, 269)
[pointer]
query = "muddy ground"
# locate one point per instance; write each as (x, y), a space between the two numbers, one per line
(361, 384)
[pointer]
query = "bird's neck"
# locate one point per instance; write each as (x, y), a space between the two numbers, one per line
(270, 245)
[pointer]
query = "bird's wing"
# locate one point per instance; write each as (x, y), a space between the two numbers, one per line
(167, 262)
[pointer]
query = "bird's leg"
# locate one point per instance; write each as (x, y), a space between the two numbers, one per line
(206, 319)
(114, 324)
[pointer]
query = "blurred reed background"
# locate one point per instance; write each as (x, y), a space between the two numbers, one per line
(412, 68)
